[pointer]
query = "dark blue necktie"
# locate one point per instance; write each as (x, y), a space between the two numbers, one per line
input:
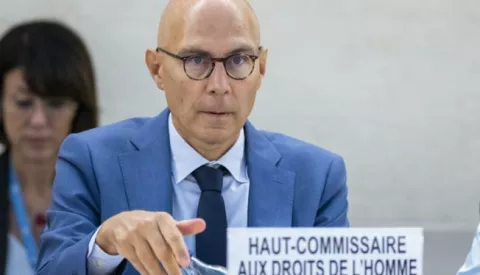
(211, 244)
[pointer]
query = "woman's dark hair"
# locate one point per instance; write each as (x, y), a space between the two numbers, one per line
(55, 62)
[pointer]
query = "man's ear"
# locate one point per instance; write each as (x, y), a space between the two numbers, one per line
(154, 67)
(263, 61)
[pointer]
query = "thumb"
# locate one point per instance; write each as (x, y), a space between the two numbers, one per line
(191, 227)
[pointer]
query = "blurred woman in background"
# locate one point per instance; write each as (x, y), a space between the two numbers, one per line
(47, 90)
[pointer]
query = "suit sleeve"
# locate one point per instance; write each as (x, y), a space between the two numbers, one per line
(73, 216)
(333, 208)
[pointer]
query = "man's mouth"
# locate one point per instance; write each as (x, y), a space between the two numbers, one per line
(216, 113)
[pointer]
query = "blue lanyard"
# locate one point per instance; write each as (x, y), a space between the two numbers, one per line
(22, 218)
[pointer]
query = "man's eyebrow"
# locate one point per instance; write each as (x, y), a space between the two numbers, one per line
(245, 49)
(194, 50)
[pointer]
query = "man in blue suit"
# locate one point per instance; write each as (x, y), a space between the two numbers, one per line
(144, 194)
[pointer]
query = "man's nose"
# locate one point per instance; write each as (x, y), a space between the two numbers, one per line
(219, 79)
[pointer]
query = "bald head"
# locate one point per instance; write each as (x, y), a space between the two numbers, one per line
(210, 65)
(181, 17)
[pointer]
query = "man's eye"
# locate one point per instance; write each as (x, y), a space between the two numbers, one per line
(196, 60)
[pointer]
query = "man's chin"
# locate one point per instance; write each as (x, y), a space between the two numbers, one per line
(218, 135)
(216, 119)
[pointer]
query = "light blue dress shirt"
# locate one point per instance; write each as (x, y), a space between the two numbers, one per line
(472, 262)
(186, 193)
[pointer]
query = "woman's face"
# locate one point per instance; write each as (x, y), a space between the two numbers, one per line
(35, 126)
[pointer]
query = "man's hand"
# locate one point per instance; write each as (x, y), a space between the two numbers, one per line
(147, 239)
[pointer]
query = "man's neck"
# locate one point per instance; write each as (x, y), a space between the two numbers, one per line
(33, 176)
(212, 152)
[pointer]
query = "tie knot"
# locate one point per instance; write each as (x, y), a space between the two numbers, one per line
(209, 178)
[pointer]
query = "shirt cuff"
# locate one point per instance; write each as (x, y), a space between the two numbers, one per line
(99, 262)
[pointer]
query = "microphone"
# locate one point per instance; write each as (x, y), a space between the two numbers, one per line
(198, 267)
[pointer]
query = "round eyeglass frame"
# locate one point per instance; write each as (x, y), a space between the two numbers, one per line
(223, 60)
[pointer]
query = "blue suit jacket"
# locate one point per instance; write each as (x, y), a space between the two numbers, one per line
(127, 166)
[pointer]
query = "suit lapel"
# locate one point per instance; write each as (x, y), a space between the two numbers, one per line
(147, 170)
(271, 193)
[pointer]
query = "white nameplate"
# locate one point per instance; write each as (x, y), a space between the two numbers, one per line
(325, 251)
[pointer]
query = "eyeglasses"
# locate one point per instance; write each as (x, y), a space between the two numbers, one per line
(199, 66)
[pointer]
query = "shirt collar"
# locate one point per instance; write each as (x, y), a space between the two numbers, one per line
(185, 159)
